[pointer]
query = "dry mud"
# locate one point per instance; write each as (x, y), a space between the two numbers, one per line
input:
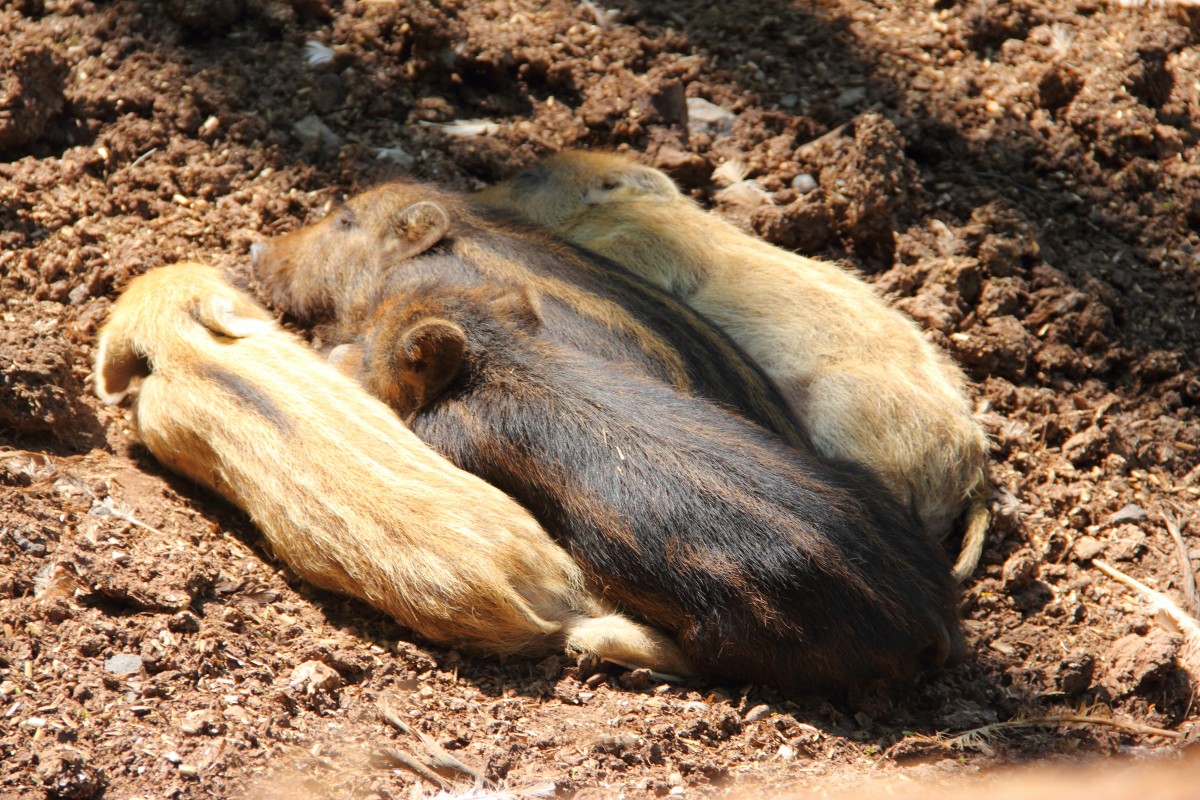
(1021, 177)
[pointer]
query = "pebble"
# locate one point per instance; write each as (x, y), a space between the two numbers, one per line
(1086, 548)
(789, 101)
(316, 135)
(313, 676)
(851, 96)
(708, 117)
(123, 664)
(1019, 570)
(804, 183)
(395, 155)
(1129, 513)
(758, 712)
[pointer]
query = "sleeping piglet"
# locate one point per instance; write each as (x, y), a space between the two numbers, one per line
(767, 564)
(345, 494)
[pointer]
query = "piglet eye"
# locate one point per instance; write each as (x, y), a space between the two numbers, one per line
(345, 219)
(610, 185)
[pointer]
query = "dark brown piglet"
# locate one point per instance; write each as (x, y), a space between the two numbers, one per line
(767, 564)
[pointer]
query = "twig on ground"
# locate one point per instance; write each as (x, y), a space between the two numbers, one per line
(110, 508)
(438, 758)
(1169, 612)
(402, 758)
(978, 738)
(1171, 521)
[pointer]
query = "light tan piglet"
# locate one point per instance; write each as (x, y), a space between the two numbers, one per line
(856, 372)
(343, 491)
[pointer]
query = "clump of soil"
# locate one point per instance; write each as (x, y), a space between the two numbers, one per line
(1023, 179)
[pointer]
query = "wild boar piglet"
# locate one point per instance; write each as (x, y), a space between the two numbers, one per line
(339, 269)
(345, 494)
(857, 373)
(767, 564)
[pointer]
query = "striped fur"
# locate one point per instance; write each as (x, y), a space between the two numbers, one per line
(341, 267)
(767, 564)
(345, 494)
(857, 373)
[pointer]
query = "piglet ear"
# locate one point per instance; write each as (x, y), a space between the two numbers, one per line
(522, 306)
(234, 316)
(419, 226)
(431, 354)
(117, 363)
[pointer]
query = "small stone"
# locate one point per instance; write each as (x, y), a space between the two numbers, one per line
(123, 664)
(637, 679)
(314, 676)
(1087, 547)
(200, 723)
(184, 622)
(568, 692)
(757, 713)
(786, 752)
(708, 117)
(676, 791)
(804, 183)
(1019, 570)
(315, 136)
(396, 156)
(675, 779)
(1128, 513)
(850, 97)
(789, 101)
(188, 770)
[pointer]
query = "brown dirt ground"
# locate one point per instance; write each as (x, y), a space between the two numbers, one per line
(1022, 177)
